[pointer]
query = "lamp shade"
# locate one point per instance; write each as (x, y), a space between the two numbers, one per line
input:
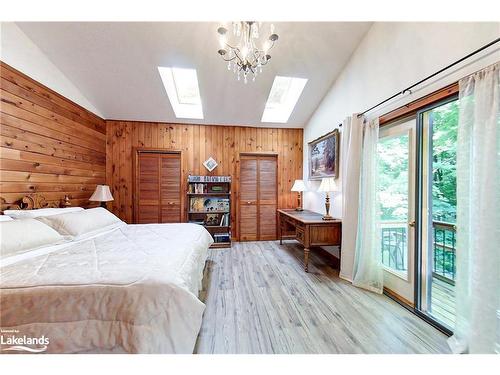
(101, 194)
(299, 185)
(327, 185)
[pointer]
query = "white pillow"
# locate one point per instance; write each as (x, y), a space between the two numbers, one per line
(25, 214)
(82, 223)
(18, 236)
(5, 218)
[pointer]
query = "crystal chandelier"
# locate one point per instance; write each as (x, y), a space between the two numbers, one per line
(244, 57)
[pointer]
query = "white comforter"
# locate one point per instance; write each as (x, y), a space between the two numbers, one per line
(132, 290)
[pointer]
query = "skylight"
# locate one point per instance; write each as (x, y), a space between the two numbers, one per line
(282, 99)
(183, 91)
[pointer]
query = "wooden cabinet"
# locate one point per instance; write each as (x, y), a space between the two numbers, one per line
(157, 187)
(258, 197)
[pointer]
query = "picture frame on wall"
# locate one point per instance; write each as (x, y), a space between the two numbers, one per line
(324, 156)
(210, 164)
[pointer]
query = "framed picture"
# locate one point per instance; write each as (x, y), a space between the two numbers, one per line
(324, 156)
(210, 164)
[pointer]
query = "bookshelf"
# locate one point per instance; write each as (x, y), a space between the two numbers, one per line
(209, 204)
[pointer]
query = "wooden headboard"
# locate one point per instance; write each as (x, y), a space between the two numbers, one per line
(32, 202)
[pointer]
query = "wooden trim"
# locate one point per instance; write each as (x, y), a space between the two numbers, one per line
(413, 107)
(259, 153)
(202, 124)
(398, 297)
(153, 150)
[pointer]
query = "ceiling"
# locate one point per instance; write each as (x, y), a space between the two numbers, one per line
(114, 65)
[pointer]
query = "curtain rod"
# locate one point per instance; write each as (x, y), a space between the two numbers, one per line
(408, 89)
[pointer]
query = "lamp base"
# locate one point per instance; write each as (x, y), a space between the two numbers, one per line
(299, 209)
(327, 217)
(103, 205)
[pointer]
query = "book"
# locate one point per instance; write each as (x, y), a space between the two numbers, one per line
(209, 178)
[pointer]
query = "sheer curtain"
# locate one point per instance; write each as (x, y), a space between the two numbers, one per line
(352, 138)
(477, 286)
(367, 270)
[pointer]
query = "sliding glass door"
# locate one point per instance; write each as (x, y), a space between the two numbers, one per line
(437, 207)
(417, 196)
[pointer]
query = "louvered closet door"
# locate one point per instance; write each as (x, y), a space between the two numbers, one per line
(267, 197)
(170, 188)
(248, 198)
(148, 194)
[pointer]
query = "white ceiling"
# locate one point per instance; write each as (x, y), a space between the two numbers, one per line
(114, 65)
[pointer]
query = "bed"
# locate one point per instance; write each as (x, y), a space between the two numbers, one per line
(129, 289)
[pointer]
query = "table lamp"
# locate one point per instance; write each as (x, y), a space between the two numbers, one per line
(299, 187)
(101, 194)
(327, 185)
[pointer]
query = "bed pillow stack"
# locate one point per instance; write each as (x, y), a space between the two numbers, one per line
(83, 224)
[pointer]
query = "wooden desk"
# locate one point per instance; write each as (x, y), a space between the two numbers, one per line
(309, 229)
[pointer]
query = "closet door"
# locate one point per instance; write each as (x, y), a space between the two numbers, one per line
(258, 197)
(170, 188)
(248, 198)
(148, 192)
(267, 195)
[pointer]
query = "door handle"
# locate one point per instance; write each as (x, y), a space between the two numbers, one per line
(412, 223)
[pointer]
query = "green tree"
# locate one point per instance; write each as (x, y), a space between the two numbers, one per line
(444, 121)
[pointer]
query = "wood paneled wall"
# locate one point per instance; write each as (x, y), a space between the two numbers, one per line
(49, 144)
(197, 143)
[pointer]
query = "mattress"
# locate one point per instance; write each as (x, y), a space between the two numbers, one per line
(133, 289)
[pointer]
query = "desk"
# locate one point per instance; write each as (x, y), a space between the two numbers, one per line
(309, 229)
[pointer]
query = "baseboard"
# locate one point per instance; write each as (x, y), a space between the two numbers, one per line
(399, 298)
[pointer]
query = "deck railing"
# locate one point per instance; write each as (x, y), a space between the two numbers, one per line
(444, 242)
(395, 252)
(394, 245)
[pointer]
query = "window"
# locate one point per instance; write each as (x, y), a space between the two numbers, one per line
(282, 99)
(183, 91)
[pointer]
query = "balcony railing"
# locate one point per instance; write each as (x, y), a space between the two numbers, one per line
(444, 242)
(394, 249)
(394, 245)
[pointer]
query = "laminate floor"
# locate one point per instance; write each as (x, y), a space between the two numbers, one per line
(259, 300)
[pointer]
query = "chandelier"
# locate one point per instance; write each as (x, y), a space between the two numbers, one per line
(244, 57)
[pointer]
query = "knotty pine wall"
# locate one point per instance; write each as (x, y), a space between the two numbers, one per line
(49, 144)
(197, 143)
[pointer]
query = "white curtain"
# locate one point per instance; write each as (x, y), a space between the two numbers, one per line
(367, 271)
(352, 136)
(477, 286)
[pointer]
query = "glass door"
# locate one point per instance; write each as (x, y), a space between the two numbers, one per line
(436, 268)
(396, 191)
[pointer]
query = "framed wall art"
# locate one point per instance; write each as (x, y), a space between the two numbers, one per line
(324, 156)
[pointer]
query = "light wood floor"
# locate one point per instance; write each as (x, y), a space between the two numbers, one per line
(259, 300)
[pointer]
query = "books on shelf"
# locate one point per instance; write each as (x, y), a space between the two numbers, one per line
(204, 204)
(197, 188)
(222, 237)
(209, 204)
(209, 178)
